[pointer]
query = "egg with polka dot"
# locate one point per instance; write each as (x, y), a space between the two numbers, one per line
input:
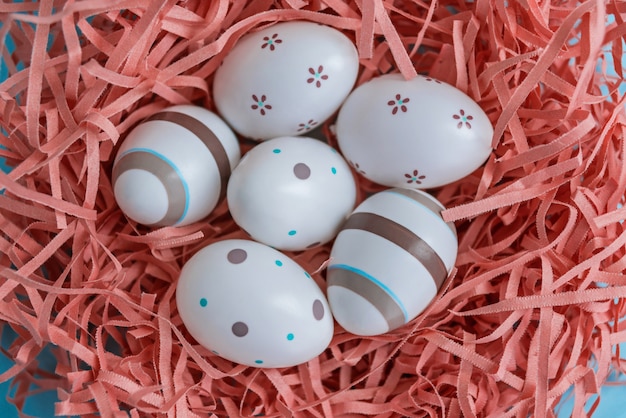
(291, 193)
(172, 168)
(251, 304)
(285, 79)
(419, 133)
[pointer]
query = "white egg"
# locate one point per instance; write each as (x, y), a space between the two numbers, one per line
(291, 193)
(389, 261)
(173, 168)
(253, 305)
(419, 133)
(285, 80)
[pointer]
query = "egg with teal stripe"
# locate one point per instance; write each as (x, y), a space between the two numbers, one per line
(253, 305)
(389, 261)
(291, 193)
(172, 168)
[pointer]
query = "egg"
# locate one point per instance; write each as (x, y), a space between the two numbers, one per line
(389, 260)
(285, 80)
(173, 168)
(419, 133)
(291, 193)
(251, 304)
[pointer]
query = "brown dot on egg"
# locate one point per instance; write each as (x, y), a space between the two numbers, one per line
(240, 329)
(302, 171)
(318, 309)
(237, 256)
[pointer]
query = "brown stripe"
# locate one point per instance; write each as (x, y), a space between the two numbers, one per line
(206, 135)
(177, 199)
(419, 198)
(370, 291)
(402, 237)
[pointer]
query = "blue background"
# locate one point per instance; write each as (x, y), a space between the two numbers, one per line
(42, 404)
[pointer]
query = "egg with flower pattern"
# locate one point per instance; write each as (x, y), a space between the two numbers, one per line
(419, 133)
(285, 79)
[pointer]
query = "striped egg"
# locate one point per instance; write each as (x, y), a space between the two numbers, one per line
(172, 169)
(389, 261)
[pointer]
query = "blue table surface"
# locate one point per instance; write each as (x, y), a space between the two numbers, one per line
(42, 404)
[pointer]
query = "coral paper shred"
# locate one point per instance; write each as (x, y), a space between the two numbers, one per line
(533, 307)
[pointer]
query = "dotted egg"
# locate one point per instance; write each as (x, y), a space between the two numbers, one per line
(173, 168)
(389, 261)
(253, 305)
(291, 193)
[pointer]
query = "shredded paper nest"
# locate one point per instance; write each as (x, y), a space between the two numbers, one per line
(533, 306)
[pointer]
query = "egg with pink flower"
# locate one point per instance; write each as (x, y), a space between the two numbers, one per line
(419, 133)
(285, 79)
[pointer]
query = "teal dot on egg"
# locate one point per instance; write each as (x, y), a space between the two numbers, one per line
(203, 302)
(290, 337)
(276, 151)
(279, 263)
(258, 361)
(292, 233)
(334, 170)
(307, 274)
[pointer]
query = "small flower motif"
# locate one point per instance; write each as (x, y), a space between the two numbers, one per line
(259, 103)
(271, 42)
(398, 104)
(317, 76)
(463, 119)
(414, 177)
(356, 167)
(303, 127)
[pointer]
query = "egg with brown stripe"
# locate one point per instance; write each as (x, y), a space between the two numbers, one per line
(172, 169)
(389, 260)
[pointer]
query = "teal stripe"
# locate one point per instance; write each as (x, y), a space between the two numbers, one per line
(373, 279)
(171, 164)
